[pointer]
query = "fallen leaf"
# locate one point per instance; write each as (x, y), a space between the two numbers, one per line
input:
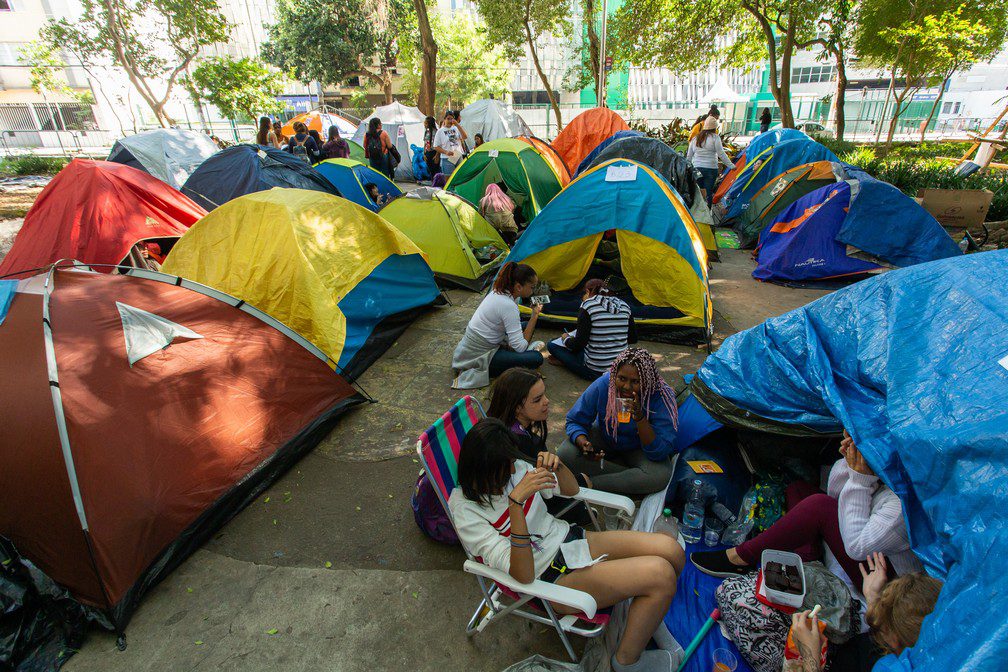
(274, 521)
(416, 461)
(328, 565)
(266, 501)
(357, 507)
(390, 496)
(272, 631)
(188, 590)
(416, 595)
(199, 642)
(287, 494)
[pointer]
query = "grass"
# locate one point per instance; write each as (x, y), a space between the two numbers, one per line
(30, 164)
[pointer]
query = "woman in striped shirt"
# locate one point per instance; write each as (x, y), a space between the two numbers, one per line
(605, 328)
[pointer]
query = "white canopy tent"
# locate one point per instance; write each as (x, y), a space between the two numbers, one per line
(404, 126)
(493, 119)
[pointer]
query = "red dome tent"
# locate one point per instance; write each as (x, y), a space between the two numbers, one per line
(146, 414)
(95, 212)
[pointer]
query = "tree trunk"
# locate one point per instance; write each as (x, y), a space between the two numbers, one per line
(885, 105)
(780, 88)
(593, 48)
(897, 111)
(934, 108)
(428, 68)
(542, 76)
(839, 114)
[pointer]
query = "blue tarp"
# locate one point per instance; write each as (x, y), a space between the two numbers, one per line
(7, 290)
(914, 363)
(244, 169)
(781, 158)
(618, 135)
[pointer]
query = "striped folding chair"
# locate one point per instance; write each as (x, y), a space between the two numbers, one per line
(438, 448)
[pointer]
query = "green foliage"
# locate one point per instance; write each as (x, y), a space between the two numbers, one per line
(47, 74)
(331, 40)
(506, 22)
(470, 66)
(239, 87)
(30, 164)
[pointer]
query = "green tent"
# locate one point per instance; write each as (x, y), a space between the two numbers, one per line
(778, 194)
(356, 151)
(531, 180)
(461, 247)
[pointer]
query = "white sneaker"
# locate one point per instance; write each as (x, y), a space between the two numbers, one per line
(537, 345)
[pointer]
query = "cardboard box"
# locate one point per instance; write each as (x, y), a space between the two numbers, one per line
(957, 208)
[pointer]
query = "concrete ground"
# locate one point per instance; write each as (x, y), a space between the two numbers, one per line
(328, 571)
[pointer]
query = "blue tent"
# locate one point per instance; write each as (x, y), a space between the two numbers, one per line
(244, 169)
(812, 239)
(350, 176)
(618, 135)
(770, 138)
(770, 163)
(914, 364)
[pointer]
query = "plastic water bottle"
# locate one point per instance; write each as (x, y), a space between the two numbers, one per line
(693, 513)
(739, 530)
(667, 524)
(721, 512)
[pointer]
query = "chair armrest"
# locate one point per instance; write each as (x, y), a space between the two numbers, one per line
(606, 499)
(576, 599)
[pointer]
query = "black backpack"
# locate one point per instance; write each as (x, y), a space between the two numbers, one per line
(374, 147)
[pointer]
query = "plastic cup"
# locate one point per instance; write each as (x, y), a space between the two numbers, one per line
(713, 529)
(724, 661)
(624, 411)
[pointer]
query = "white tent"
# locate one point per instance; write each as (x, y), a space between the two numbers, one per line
(169, 154)
(722, 93)
(493, 119)
(404, 126)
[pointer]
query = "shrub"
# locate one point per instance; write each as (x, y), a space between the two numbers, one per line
(30, 164)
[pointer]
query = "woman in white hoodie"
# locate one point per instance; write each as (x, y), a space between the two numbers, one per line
(605, 328)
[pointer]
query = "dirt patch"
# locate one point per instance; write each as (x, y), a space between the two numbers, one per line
(8, 229)
(15, 204)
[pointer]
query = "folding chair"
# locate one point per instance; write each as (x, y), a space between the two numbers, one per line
(438, 448)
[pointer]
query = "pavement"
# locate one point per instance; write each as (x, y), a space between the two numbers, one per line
(328, 571)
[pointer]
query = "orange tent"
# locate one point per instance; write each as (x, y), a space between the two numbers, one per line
(147, 411)
(729, 178)
(585, 132)
(551, 156)
(321, 121)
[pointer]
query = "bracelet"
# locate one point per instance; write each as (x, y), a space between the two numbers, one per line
(526, 544)
(514, 501)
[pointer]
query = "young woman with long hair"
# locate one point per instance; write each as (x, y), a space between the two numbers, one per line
(495, 339)
(704, 152)
(266, 137)
(500, 513)
(498, 209)
(376, 148)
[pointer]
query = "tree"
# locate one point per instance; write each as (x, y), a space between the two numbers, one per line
(763, 29)
(584, 73)
(833, 38)
(471, 66)
(153, 41)
(330, 41)
(921, 42)
(246, 86)
(428, 52)
(47, 72)
(514, 24)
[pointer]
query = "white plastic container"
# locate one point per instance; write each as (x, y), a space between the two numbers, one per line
(776, 596)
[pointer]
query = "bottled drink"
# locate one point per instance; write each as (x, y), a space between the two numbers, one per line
(693, 513)
(667, 524)
(739, 530)
(721, 512)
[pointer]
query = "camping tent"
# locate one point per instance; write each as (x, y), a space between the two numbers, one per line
(356, 151)
(655, 261)
(911, 364)
(781, 192)
(676, 170)
(721, 92)
(451, 232)
(551, 156)
(849, 228)
(144, 416)
(320, 121)
(404, 126)
(530, 179)
(331, 270)
(493, 119)
(169, 154)
(753, 149)
(765, 166)
(95, 212)
(584, 132)
(244, 169)
(590, 158)
(350, 176)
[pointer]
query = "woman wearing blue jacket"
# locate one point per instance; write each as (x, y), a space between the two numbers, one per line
(622, 429)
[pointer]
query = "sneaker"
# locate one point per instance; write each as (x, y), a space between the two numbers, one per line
(716, 563)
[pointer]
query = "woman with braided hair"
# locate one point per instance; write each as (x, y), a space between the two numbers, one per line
(622, 429)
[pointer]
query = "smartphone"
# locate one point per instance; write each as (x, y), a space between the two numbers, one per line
(541, 299)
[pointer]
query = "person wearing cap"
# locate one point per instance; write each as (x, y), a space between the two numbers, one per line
(704, 152)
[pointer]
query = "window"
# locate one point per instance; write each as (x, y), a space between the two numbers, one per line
(6, 5)
(10, 52)
(813, 74)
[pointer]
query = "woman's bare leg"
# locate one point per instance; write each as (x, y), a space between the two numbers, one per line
(650, 580)
(631, 544)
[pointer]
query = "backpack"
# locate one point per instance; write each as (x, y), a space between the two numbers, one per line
(430, 515)
(374, 147)
(300, 151)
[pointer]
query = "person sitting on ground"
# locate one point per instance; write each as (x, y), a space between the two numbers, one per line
(375, 194)
(499, 511)
(498, 209)
(494, 340)
(704, 152)
(624, 451)
(519, 215)
(335, 147)
(266, 137)
(857, 515)
(278, 132)
(896, 612)
(320, 154)
(604, 329)
(301, 144)
(477, 140)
